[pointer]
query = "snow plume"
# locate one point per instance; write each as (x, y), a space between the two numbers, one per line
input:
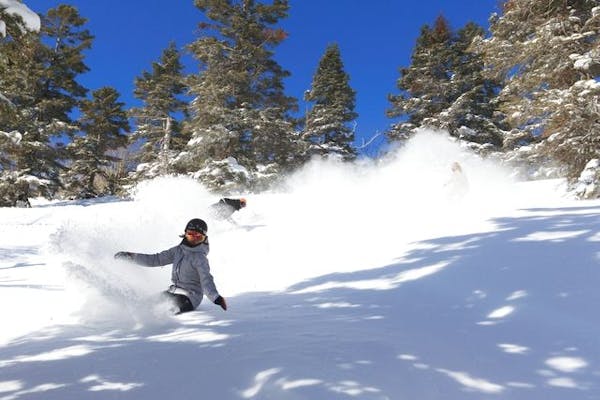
(169, 202)
(151, 222)
(411, 188)
(330, 216)
(342, 217)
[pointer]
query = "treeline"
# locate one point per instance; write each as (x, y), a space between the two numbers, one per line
(528, 90)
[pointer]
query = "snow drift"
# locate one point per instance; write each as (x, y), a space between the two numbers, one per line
(376, 280)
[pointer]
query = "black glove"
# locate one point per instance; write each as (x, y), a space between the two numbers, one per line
(124, 255)
(220, 301)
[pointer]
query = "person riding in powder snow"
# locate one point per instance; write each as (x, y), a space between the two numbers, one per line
(225, 208)
(191, 275)
(457, 185)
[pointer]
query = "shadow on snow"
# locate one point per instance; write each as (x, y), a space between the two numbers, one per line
(508, 314)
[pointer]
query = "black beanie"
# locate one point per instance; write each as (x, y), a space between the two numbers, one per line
(197, 225)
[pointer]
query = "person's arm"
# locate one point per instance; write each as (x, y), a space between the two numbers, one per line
(208, 283)
(235, 204)
(149, 260)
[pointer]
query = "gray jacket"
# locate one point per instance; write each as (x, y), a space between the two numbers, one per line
(191, 271)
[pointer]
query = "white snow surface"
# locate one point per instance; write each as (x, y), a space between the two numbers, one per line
(362, 281)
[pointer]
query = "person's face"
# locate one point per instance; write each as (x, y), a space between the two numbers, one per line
(194, 237)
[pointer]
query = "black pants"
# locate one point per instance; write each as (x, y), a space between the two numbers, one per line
(182, 302)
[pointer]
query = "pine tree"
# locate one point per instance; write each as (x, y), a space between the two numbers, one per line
(157, 125)
(326, 128)
(12, 36)
(531, 50)
(38, 80)
(425, 84)
(239, 110)
(472, 115)
(103, 123)
(547, 54)
(445, 88)
(574, 129)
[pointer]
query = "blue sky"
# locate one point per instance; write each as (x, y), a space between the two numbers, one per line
(376, 38)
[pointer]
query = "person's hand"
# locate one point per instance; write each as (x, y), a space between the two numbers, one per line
(124, 255)
(220, 301)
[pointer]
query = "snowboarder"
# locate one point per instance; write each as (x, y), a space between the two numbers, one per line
(458, 185)
(225, 208)
(191, 275)
(22, 201)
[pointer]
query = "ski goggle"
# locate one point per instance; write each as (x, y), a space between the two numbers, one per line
(195, 234)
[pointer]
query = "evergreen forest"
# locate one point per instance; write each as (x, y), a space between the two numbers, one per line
(524, 90)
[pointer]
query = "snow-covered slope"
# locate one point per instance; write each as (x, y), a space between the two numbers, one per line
(387, 281)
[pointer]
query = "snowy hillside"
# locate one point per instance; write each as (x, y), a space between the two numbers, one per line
(398, 280)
